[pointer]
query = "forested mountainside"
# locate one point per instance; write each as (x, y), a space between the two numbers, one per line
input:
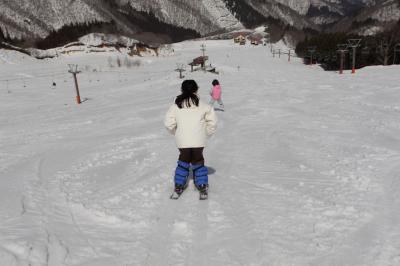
(28, 22)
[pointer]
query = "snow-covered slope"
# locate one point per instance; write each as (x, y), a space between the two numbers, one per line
(204, 16)
(304, 166)
(381, 14)
(287, 12)
(376, 17)
(97, 39)
(28, 18)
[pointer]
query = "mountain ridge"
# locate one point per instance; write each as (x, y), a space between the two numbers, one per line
(162, 21)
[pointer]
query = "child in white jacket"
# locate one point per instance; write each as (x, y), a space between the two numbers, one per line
(191, 121)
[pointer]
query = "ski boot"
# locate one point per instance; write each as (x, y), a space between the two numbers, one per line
(201, 180)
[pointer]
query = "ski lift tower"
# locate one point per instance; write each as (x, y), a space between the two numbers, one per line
(312, 50)
(180, 68)
(384, 47)
(342, 49)
(73, 69)
(396, 51)
(203, 50)
(353, 43)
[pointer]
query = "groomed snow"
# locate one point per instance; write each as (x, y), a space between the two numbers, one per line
(305, 164)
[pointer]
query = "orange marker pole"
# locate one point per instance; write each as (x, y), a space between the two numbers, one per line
(78, 97)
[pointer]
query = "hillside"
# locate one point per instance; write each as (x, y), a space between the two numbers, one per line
(27, 22)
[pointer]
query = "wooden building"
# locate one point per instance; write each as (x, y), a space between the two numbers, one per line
(255, 39)
(240, 37)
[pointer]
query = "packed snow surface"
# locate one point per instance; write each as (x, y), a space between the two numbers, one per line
(304, 167)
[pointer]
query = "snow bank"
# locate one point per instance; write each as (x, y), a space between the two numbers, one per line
(100, 39)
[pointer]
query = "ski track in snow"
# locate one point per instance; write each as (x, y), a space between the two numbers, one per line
(306, 164)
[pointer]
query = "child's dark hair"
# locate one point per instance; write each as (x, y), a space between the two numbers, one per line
(215, 82)
(188, 96)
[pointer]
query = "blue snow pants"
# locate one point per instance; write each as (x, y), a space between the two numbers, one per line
(193, 157)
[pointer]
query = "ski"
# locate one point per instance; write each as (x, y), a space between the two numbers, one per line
(177, 193)
(203, 193)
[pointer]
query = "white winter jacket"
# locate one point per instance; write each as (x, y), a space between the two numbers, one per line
(191, 125)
